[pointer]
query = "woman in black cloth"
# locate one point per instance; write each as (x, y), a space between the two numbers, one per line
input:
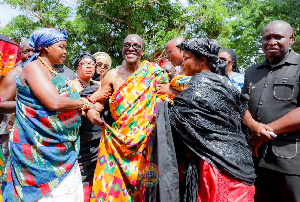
(205, 121)
(90, 134)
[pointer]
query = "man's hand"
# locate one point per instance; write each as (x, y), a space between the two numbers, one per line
(258, 136)
(94, 117)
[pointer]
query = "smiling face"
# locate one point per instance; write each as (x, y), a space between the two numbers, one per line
(86, 68)
(57, 52)
(277, 38)
(192, 64)
(133, 51)
(173, 53)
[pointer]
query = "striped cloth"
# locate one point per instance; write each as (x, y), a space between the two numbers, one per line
(44, 144)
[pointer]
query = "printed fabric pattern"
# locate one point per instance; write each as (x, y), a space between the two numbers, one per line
(180, 82)
(237, 80)
(44, 144)
(126, 146)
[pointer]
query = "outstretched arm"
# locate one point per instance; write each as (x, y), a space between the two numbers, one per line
(37, 77)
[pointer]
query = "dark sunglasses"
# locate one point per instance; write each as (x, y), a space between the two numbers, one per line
(100, 64)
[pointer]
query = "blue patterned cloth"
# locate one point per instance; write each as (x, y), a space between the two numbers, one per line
(44, 37)
(237, 80)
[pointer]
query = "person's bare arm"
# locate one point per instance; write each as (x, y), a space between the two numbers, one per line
(288, 123)
(37, 78)
(167, 89)
(258, 133)
(8, 92)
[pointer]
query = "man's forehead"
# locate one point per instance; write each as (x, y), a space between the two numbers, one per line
(277, 28)
(133, 39)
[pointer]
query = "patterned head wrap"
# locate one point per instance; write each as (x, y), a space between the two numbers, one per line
(103, 55)
(207, 48)
(80, 56)
(44, 37)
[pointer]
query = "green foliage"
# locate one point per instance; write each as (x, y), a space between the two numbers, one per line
(102, 25)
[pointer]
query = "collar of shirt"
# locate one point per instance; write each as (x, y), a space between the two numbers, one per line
(290, 59)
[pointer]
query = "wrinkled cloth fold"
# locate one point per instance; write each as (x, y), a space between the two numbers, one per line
(207, 118)
(126, 146)
(44, 144)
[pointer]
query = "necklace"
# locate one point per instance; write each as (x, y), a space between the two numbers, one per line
(52, 71)
(82, 85)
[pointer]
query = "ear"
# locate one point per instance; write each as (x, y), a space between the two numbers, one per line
(292, 39)
(142, 52)
(47, 48)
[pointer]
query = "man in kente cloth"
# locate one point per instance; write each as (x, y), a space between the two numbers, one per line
(126, 145)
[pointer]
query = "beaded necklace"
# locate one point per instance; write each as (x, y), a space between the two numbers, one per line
(52, 71)
(83, 85)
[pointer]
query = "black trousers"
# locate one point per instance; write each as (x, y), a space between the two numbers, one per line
(273, 186)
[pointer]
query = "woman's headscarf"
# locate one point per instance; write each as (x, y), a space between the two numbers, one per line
(207, 48)
(44, 37)
(80, 56)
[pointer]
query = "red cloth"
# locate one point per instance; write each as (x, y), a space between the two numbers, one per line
(87, 191)
(217, 187)
(9, 49)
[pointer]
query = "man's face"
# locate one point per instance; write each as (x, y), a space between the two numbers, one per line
(132, 49)
(26, 52)
(174, 54)
(276, 41)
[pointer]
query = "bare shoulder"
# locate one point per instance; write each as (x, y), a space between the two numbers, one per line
(11, 76)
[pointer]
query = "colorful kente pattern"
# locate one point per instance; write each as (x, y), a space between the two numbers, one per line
(180, 82)
(126, 146)
(1, 164)
(43, 145)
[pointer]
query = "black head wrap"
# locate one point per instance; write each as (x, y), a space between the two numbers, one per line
(207, 48)
(80, 56)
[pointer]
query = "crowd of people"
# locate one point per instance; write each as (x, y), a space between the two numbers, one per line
(195, 129)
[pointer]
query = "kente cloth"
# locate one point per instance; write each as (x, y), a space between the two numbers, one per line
(44, 144)
(1, 168)
(207, 117)
(180, 82)
(126, 146)
(44, 37)
(90, 135)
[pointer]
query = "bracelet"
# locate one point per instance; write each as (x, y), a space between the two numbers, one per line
(90, 100)
(86, 104)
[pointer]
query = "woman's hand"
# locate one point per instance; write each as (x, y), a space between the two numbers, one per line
(101, 95)
(94, 117)
(167, 89)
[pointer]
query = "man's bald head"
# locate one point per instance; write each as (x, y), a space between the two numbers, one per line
(26, 50)
(174, 54)
(175, 41)
(136, 36)
(277, 38)
(280, 23)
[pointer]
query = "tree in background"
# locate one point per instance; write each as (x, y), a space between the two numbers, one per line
(102, 25)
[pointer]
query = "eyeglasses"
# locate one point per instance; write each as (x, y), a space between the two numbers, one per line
(26, 51)
(225, 60)
(135, 46)
(100, 64)
(87, 64)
